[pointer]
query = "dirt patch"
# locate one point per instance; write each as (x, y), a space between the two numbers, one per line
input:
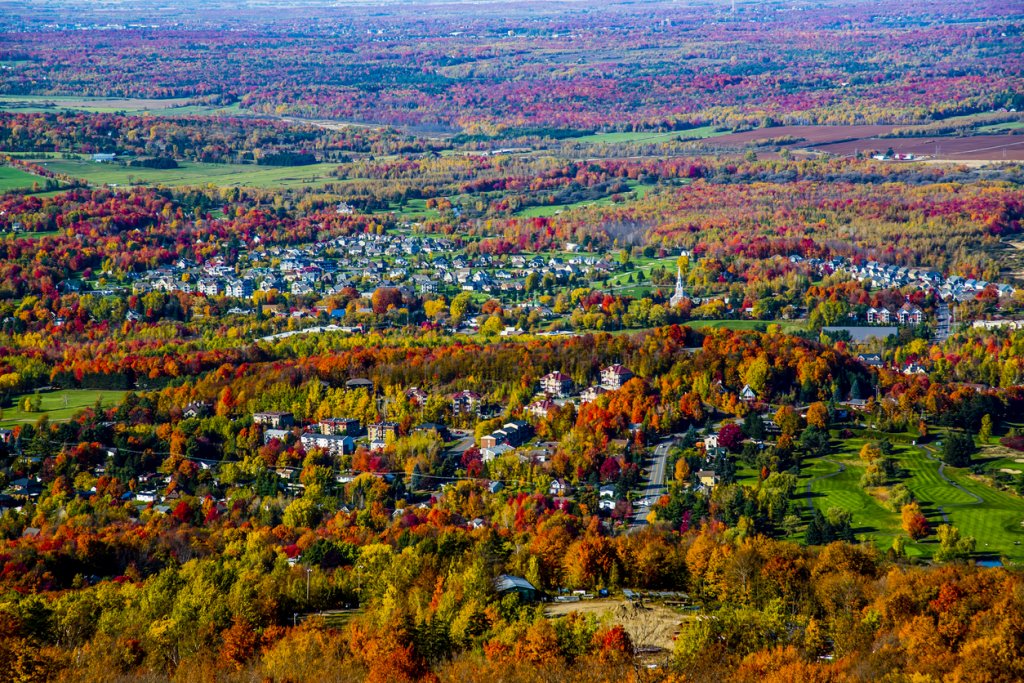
(649, 626)
(1007, 470)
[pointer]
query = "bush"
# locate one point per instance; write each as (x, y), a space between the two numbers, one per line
(1014, 442)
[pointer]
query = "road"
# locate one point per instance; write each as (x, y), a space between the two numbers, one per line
(942, 324)
(654, 486)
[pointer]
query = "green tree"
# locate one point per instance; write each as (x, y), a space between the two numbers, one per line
(957, 449)
(985, 433)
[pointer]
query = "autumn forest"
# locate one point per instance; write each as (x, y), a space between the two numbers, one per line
(657, 342)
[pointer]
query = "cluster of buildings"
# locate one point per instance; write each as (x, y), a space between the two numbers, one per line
(887, 276)
(366, 262)
(336, 435)
(907, 314)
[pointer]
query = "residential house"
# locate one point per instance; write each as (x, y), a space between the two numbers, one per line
(196, 409)
(910, 315)
(559, 488)
(465, 402)
(747, 394)
(614, 376)
(707, 478)
(590, 394)
(489, 454)
(879, 316)
(383, 432)
(345, 426)
(335, 444)
(556, 384)
(416, 396)
(274, 419)
(540, 409)
(434, 428)
(493, 439)
(282, 435)
(240, 289)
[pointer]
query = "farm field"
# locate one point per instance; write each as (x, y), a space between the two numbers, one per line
(58, 405)
(16, 179)
(976, 147)
(649, 137)
(104, 105)
(195, 173)
(807, 135)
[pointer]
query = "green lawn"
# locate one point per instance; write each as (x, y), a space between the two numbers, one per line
(649, 137)
(786, 325)
(831, 487)
(103, 105)
(17, 179)
(53, 404)
(1001, 127)
(991, 516)
(994, 518)
(195, 173)
(553, 209)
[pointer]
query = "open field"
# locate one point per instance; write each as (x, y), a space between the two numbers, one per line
(554, 209)
(159, 107)
(16, 179)
(55, 405)
(808, 135)
(848, 140)
(195, 173)
(976, 147)
(649, 137)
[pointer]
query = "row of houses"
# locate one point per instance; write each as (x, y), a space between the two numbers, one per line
(367, 262)
(888, 276)
(907, 314)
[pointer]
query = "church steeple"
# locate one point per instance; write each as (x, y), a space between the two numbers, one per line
(680, 293)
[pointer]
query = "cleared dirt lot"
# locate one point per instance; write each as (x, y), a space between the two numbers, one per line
(650, 626)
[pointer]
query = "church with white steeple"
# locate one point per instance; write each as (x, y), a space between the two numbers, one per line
(680, 293)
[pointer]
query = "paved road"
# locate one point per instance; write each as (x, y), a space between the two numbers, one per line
(466, 440)
(655, 484)
(943, 323)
